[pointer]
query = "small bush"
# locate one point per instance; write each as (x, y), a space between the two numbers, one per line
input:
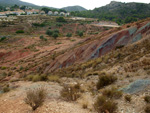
(147, 98)
(43, 38)
(60, 19)
(128, 98)
(49, 32)
(71, 93)
(36, 78)
(69, 35)
(55, 35)
(53, 78)
(105, 105)
(3, 68)
(35, 97)
(105, 80)
(80, 33)
(2, 38)
(6, 89)
(20, 31)
(85, 106)
(56, 31)
(112, 93)
(147, 108)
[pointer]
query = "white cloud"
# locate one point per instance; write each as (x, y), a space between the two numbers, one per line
(89, 4)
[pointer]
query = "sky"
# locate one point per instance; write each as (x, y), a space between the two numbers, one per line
(88, 4)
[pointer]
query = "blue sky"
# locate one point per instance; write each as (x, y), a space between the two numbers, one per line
(88, 4)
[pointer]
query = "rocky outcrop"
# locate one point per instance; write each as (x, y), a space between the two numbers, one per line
(99, 47)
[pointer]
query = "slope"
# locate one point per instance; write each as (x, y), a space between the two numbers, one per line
(74, 8)
(118, 11)
(103, 44)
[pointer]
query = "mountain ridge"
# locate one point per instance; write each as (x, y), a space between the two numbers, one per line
(74, 8)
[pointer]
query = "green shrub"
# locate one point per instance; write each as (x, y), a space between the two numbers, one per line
(3, 68)
(69, 35)
(105, 80)
(55, 35)
(58, 25)
(20, 31)
(112, 93)
(43, 38)
(71, 93)
(2, 38)
(60, 19)
(49, 32)
(128, 98)
(38, 24)
(104, 105)
(80, 33)
(147, 98)
(35, 97)
(56, 31)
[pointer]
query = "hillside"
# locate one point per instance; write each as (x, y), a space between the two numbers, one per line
(119, 12)
(13, 2)
(74, 8)
(73, 66)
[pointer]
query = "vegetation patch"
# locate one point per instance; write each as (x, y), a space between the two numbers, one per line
(35, 97)
(105, 80)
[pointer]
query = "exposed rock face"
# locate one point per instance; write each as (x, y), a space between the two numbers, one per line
(99, 47)
(137, 86)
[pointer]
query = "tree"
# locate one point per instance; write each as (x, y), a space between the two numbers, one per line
(55, 35)
(46, 10)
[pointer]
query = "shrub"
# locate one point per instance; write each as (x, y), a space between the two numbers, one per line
(84, 106)
(29, 77)
(104, 105)
(71, 93)
(147, 98)
(43, 38)
(53, 78)
(58, 25)
(69, 35)
(128, 98)
(55, 35)
(105, 80)
(49, 32)
(3, 68)
(112, 93)
(2, 38)
(20, 31)
(38, 24)
(56, 31)
(80, 33)
(35, 97)
(147, 108)
(60, 19)
(36, 78)
(6, 89)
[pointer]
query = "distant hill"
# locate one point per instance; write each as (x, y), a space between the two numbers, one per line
(13, 2)
(118, 11)
(74, 8)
